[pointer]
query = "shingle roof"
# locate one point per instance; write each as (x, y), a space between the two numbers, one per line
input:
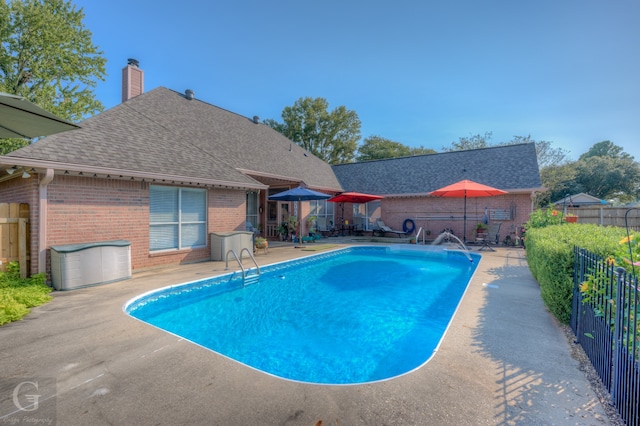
(579, 199)
(508, 167)
(162, 131)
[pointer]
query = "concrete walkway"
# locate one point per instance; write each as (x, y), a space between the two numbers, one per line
(503, 361)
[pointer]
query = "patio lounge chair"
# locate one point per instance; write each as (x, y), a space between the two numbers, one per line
(491, 237)
(380, 228)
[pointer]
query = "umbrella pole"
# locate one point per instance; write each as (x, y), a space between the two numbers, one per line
(299, 222)
(464, 220)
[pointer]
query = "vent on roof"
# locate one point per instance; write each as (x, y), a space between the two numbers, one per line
(133, 62)
(256, 119)
(189, 94)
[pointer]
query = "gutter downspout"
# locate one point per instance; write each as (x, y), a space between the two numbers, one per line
(42, 222)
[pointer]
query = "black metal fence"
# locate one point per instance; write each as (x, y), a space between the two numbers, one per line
(606, 319)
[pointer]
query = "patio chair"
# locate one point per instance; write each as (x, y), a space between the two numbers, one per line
(324, 229)
(250, 228)
(491, 237)
(359, 225)
(382, 229)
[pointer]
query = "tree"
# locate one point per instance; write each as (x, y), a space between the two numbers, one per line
(378, 148)
(547, 155)
(560, 180)
(606, 149)
(607, 172)
(472, 142)
(48, 57)
(330, 136)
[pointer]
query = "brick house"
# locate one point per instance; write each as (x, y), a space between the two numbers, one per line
(161, 170)
(405, 184)
(164, 169)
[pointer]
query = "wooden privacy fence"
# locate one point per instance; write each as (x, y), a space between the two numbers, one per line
(14, 236)
(607, 216)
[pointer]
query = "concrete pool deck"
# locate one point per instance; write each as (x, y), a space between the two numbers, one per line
(504, 360)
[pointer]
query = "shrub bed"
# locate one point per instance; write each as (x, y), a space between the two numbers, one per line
(17, 294)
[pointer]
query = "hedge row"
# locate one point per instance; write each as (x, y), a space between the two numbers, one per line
(550, 257)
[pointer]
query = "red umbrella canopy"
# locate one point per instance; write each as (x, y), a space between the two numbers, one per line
(354, 197)
(463, 189)
(467, 188)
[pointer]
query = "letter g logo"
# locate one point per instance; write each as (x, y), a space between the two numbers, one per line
(31, 398)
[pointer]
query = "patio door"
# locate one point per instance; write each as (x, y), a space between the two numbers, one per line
(277, 213)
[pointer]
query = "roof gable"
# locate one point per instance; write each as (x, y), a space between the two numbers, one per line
(162, 131)
(579, 199)
(507, 167)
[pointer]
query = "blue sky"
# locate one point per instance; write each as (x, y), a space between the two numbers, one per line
(416, 72)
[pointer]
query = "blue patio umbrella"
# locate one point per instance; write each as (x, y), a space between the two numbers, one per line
(299, 194)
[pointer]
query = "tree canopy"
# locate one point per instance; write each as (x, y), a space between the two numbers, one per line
(379, 148)
(546, 154)
(472, 142)
(48, 57)
(606, 149)
(329, 135)
(605, 172)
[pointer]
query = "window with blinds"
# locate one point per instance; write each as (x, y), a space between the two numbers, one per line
(177, 218)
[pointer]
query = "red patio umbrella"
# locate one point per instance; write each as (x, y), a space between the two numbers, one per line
(353, 197)
(467, 188)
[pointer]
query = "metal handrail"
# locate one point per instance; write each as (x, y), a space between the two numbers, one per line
(252, 258)
(237, 260)
(244, 271)
(418, 236)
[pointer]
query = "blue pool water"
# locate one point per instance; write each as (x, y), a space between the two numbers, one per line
(349, 316)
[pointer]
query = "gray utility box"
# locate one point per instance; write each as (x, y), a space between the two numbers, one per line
(82, 265)
(221, 243)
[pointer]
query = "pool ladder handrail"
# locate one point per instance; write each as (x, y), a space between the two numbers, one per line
(424, 236)
(244, 271)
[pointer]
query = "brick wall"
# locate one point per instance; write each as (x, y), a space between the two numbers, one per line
(87, 210)
(422, 210)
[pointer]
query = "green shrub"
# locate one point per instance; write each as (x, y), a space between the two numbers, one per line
(10, 310)
(17, 295)
(544, 217)
(550, 255)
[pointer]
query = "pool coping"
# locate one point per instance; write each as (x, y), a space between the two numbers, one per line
(503, 360)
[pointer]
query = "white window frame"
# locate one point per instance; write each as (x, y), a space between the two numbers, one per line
(252, 215)
(323, 208)
(364, 211)
(178, 217)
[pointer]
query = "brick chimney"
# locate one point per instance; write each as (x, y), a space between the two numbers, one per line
(132, 80)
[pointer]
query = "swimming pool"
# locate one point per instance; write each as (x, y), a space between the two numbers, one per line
(349, 316)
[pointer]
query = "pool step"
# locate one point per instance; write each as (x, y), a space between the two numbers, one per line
(251, 279)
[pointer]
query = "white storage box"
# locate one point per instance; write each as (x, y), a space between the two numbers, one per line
(221, 243)
(82, 265)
